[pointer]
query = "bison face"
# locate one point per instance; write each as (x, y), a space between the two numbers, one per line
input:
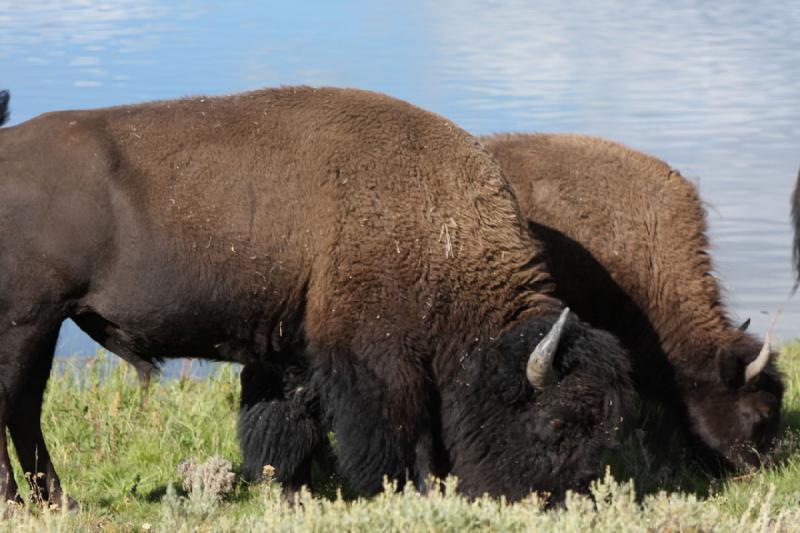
(512, 425)
(737, 414)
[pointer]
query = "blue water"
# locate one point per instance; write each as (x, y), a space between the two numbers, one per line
(711, 87)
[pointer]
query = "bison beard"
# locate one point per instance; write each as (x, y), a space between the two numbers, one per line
(338, 233)
(626, 244)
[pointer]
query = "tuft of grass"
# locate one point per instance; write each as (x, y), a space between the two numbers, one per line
(120, 459)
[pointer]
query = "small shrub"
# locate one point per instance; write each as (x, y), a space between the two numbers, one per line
(209, 481)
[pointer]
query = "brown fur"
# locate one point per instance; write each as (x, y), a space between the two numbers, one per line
(626, 240)
(339, 230)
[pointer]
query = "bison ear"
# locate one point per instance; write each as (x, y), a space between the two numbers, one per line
(731, 368)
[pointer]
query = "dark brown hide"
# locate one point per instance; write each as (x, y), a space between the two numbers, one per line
(380, 241)
(626, 243)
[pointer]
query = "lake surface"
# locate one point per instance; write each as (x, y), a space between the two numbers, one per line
(713, 88)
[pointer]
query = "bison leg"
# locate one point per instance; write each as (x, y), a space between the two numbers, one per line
(8, 485)
(381, 422)
(277, 426)
(27, 342)
(26, 432)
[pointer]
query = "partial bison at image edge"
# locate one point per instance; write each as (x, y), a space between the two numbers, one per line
(334, 234)
(626, 243)
(796, 221)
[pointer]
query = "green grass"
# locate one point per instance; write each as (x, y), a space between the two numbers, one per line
(119, 460)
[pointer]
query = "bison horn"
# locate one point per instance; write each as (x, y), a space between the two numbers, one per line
(744, 325)
(540, 370)
(757, 365)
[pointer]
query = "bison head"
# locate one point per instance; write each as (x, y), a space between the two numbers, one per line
(735, 408)
(536, 409)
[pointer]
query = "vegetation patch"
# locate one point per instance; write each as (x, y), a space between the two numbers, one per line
(170, 464)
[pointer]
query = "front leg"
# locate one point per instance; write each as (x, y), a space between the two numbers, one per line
(381, 422)
(278, 425)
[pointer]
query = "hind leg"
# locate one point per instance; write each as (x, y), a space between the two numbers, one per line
(278, 425)
(27, 342)
(8, 485)
(26, 432)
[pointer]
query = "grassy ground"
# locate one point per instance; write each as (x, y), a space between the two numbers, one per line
(120, 461)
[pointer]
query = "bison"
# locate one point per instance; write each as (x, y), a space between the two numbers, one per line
(626, 243)
(348, 242)
(796, 220)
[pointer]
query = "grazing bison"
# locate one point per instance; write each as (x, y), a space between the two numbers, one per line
(626, 244)
(345, 239)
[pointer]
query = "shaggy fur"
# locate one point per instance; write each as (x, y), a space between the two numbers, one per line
(547, 440)
(626, 243)
(280, 425)
(540, 440)
(380, 241)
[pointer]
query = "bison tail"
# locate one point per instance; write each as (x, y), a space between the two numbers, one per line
(796, 220)
(5, 96)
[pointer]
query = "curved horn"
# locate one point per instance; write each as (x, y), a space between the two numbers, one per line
(744, 325)
(540, 370)
(757, 365)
